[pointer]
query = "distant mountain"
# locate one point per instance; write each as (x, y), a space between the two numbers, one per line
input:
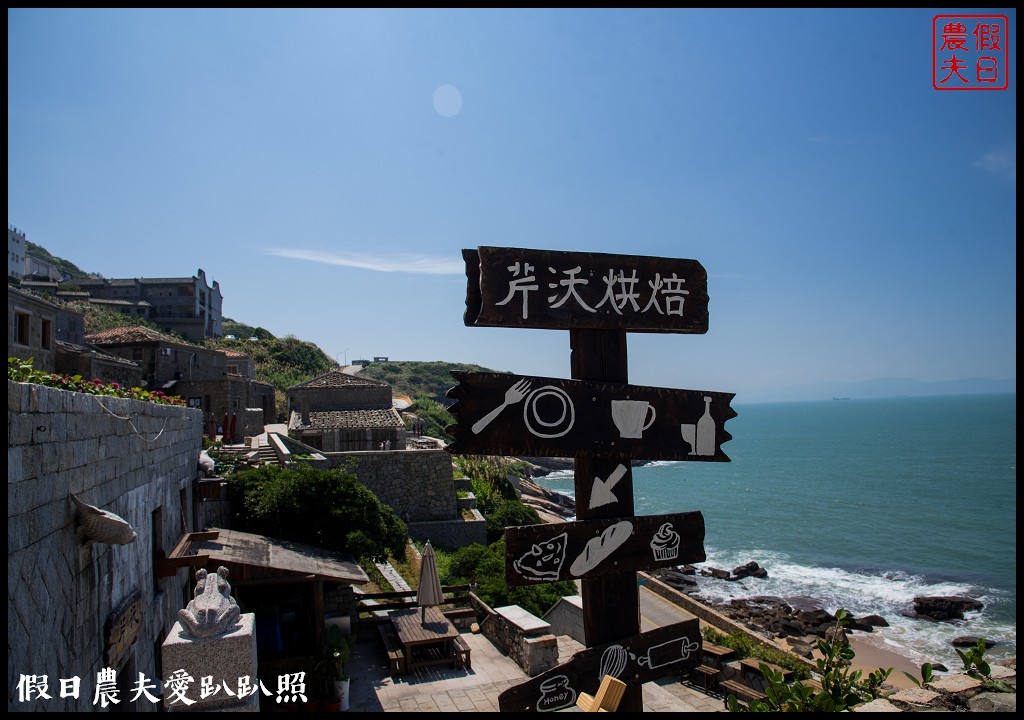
(878, 388)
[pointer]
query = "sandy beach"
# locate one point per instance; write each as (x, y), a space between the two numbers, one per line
(870, 658)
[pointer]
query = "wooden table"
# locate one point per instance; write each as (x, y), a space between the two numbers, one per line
(432, 643)
(717, 653)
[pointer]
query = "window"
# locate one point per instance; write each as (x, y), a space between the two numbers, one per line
(47, 339)
(22, 323)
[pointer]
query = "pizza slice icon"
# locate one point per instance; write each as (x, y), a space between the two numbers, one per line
(543, 561)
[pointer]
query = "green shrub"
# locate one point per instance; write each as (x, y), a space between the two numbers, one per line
(485, 565)
(326, 508)
(841, 685)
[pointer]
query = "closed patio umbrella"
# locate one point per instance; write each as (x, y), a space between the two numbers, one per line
(429, 591)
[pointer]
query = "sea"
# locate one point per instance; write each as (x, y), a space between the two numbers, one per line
(862, 504)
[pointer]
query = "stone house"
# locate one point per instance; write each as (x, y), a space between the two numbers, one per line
(338, 412)
(218, 382)
(35, 326)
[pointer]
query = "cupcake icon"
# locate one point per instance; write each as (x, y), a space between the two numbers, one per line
(665, 543)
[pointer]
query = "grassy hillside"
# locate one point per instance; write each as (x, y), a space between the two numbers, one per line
(282, 362)
(419, 379)
(426, 383)
(64, 266)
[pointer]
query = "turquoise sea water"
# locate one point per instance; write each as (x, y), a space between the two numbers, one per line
(862, 504)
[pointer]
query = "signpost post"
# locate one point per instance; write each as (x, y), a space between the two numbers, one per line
(603, 422)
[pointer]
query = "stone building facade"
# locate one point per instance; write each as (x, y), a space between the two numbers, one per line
(75, 608)
(32, 329)
(338, 412)
(185, 305)
(202, 376)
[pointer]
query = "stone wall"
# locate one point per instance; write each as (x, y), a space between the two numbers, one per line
(417, 484)
(131, 458)
(533, 653)
(450, 534)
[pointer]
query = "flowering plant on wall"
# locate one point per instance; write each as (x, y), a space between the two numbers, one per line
(22, 371)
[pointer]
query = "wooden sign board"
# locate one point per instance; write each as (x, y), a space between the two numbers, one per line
(591, 548)
(667, 650)
(122, 628)
(515, 287)
(501, 414)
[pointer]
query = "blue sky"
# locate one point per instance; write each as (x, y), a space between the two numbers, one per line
(326, 167)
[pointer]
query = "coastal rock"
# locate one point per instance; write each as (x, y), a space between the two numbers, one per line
(545, 500)
(685, 583)
(971, 641)
(716, 573)
(941, 608)
(750, 569)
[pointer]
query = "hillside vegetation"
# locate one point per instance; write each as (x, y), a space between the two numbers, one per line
(282, 362)
(62, 265)
(426, 383)
(429, 380)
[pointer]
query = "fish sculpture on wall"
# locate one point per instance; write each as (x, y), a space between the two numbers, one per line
(100, 526)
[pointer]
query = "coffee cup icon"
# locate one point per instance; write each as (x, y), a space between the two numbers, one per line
(630, 417)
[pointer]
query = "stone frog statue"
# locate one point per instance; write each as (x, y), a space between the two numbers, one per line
(212, 611)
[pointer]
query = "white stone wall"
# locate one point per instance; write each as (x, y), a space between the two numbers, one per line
(123, 456)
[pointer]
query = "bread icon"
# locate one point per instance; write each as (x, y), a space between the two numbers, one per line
(601, 547)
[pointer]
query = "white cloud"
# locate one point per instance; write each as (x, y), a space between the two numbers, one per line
(421, 264)
(1001, 162)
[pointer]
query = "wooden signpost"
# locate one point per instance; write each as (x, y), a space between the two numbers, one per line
(512, 287)
(591, 548)
(635, 660)
(603, 422)
(502, 414)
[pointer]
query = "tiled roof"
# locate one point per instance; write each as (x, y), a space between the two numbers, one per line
(338, 379)
(33, 297)
(107, 301)
(232, 353)
(133, 334)
(106, 357)
(168, 281)
(346, 419)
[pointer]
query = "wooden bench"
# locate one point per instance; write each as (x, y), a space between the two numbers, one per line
(706, 676)
(462, 653)
(396, 655)
(608, 697)
(744, 693)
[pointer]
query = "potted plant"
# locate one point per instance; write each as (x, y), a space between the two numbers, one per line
(339, 648)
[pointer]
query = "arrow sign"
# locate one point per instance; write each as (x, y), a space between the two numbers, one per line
(667, 650)
(591, 548)
(500, 414)
(514, 287)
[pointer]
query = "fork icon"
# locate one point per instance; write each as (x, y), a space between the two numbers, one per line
(513, 395)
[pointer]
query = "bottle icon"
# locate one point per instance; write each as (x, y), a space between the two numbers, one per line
(706, 430)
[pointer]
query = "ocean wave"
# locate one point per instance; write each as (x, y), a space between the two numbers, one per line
(886, 593)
